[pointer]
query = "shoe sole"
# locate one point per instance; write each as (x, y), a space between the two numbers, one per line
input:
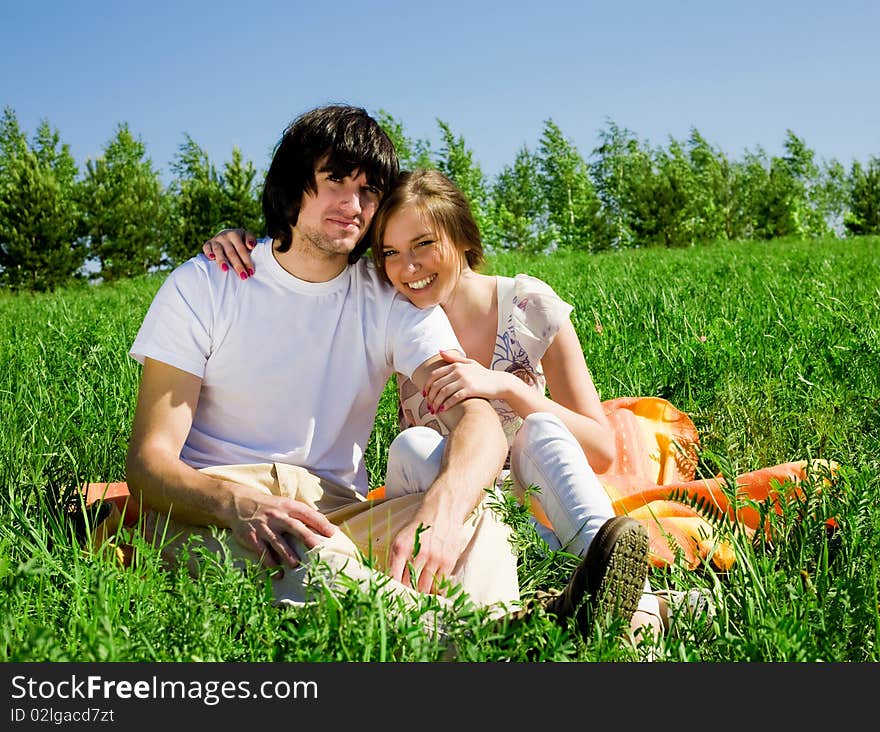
(617, 566)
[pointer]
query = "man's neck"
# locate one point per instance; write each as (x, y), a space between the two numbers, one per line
(306, 263)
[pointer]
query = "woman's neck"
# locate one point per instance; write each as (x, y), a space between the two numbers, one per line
(473, 314)
(474, 297)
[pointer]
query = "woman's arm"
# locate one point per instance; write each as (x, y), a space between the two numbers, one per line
(574, 397)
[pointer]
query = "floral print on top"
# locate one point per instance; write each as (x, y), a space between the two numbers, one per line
(529, 316)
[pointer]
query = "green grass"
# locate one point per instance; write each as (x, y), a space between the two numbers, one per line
(772, 348)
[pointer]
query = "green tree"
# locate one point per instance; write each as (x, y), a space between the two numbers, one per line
(711, 195)
(197, 201)
(793, 203)
(574, 212)
(808, 202)
(456, 161)
(125, 214)
(832, 195)
(863, 216)
(750, 183)
(39, 247)
(614, 171)
(412, 154)
(680, 195)
(517, 205)
(658, 197)
(205, 201)
(240, 205)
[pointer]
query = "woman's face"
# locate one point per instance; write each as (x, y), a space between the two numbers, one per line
(420, 260)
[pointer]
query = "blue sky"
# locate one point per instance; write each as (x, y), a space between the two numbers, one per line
(742, 73)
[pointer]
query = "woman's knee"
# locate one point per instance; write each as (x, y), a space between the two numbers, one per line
(541, 427)
(414, 443)
(414, 460)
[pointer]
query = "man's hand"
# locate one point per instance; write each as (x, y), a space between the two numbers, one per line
(473, 456)
(440, 543)
(231, 248)
(279, 529)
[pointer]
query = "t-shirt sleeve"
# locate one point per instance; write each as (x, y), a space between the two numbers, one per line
(416, 335)
(537, 314)
(177, 327)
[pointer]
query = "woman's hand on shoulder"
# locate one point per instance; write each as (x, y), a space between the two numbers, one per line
(231, 249)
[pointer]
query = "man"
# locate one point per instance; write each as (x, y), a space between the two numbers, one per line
(256, 402)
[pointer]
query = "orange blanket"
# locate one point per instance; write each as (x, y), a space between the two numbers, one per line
(656, 464)
(654, 471)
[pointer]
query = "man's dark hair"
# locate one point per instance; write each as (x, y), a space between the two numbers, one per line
(348, 140)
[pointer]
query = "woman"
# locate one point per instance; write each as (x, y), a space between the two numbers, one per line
(519, 340)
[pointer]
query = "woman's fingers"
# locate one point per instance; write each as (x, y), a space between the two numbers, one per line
(230, 249)
(439, 393)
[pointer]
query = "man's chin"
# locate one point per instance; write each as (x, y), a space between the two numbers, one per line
(345, 237)
(336, 244)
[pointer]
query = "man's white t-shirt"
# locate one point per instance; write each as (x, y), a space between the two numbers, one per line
(292, 371)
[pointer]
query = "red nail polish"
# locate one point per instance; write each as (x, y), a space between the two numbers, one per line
(210, 255)
(442, 407)
(243, 275)
(252, 244)
(224, 266)
(251, 271)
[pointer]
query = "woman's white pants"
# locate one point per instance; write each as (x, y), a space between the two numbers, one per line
(544, 454)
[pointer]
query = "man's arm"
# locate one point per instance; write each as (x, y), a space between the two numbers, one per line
(473, 457)
(158, 478)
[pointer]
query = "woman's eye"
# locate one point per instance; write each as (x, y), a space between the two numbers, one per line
(388, 253)
(425, 243)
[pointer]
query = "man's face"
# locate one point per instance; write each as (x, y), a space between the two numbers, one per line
(336, 216)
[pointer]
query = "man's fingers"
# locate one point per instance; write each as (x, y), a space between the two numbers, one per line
(284, 549)
(305, 535)
(268, 558)
(396, 568)
(401, 554)
(426, 580)
(311, 520)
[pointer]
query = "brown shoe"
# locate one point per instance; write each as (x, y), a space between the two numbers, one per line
(611, 577)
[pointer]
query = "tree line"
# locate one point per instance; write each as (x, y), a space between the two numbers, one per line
(115, 218)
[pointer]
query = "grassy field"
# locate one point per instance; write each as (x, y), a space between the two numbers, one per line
(772, 348)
